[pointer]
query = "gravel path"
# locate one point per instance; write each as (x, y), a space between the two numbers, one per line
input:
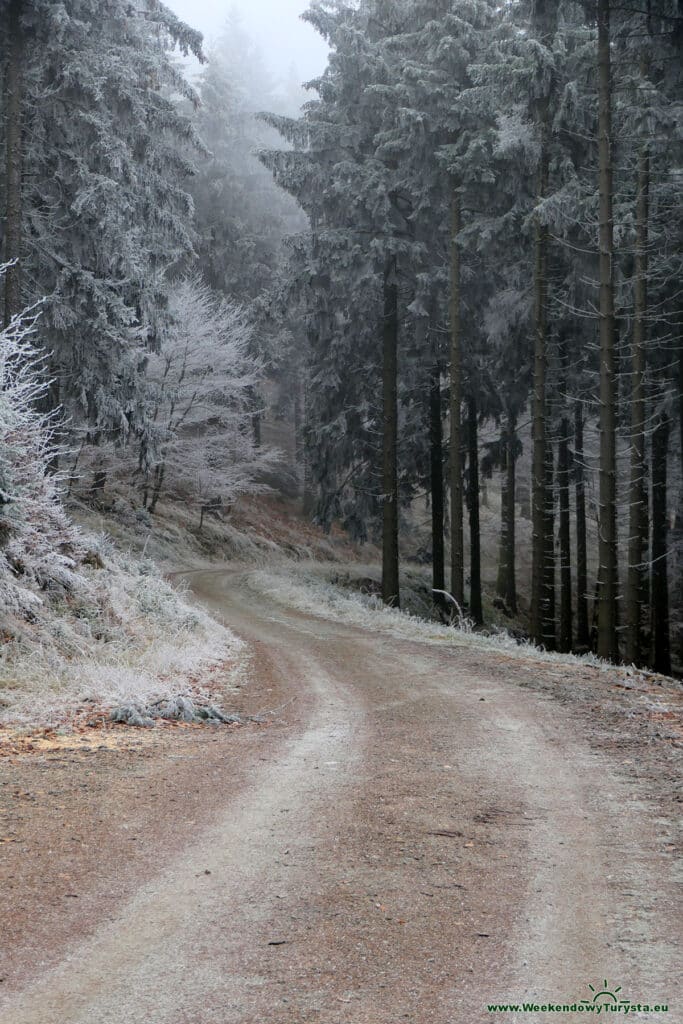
(417, 838)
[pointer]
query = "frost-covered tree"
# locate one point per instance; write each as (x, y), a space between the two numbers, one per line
(351, 272)
(518, 76)
(441, 139)
(647, 114)
(241, 214)
(105, 211)
(464, 141)
(198, 441)
(38, 543)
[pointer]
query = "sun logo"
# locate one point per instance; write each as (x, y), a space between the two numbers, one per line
(604, 994)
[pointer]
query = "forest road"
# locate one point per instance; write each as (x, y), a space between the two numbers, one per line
(424, 838)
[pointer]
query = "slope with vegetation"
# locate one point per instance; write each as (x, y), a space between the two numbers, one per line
(81, 622)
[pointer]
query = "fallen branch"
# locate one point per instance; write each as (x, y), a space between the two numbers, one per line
(463, 622)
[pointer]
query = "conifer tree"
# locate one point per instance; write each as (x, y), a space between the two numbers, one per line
(14, 154)
(607, 542)
(104, 210)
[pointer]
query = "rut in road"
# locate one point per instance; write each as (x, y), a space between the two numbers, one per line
(431, 840)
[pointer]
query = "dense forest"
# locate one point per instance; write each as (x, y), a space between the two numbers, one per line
(454, 255)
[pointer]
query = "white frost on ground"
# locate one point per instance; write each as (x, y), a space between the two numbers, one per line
(125, 635)
(305, 590)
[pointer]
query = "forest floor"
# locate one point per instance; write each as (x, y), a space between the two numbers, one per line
(412, 832)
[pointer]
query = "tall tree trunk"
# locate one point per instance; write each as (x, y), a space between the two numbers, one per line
(660, 640)
(680, 400)
(390, 580)
(507, 581)
(98, 484)
(502, 578)
(539, 493)
(436, 481)
(638, 525)
(510, 489)
(660, 529)
(298, 425)
(455, 466)
(582, 628)
(678, 517)
(607, 544)
(549, 614)
(159, 475)
(14, 156)
(565, 540)
(473, 494)
(308, 500)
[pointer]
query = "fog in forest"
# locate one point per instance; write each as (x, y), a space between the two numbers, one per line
(433, 303)
(341, 509)
(285, 41)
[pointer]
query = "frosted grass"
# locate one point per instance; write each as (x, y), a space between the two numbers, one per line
(127, 635)
(307, 591)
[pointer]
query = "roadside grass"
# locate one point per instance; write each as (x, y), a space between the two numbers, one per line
(121, 633)
(116, 633)
(317, 590)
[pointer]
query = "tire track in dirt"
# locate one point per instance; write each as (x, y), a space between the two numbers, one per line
(432, 839)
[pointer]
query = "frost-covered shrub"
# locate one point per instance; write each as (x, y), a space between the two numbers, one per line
(38, 544)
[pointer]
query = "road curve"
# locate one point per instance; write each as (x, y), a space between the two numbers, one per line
(430, 839)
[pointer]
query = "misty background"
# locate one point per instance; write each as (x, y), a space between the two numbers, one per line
(274, 25)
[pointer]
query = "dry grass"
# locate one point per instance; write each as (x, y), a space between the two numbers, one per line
(122, 634)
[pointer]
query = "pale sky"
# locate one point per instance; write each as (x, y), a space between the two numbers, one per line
(274, 24)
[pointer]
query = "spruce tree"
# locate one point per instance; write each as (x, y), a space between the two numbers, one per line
(104, 209)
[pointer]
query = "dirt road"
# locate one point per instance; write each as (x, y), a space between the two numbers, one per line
(418, 838)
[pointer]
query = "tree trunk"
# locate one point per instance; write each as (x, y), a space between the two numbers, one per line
(565, 541)
(256, 425)
(159, 474)
(298, 425)
(436, 482)
(548, 598)
(502, 577)
(476, 612)
(14, 157)
(507, 582)
(98, 484)
(457, 556)
(607, 544)
(660, 528)
(638, 512)
(308, 500)
(74, 468)
(582, 629)
(511, 488)
(680, 400)
(678, 516)
(390, 579)
(539, 494)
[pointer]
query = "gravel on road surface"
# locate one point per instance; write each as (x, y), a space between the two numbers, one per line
(417, 833)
